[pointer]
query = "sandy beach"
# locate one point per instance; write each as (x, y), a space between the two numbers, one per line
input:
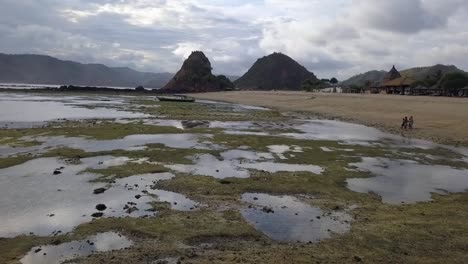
(440, 119)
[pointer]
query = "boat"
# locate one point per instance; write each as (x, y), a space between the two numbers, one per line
(176, 98)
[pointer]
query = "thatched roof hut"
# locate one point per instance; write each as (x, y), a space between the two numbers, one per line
(391, 75)
(399, 82)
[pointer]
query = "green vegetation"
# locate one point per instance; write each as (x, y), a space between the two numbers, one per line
(453, 82)
(429, 232)
(129, 169)
(209, 112)
(425, 76)
(310, 85)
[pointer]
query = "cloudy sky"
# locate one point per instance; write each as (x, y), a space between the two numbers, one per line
(330, 37)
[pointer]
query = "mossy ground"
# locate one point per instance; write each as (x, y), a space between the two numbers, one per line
(429, 232)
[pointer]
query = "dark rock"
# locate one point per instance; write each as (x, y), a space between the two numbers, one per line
(57, 172)
(357, 258)
(195, 76)
(101, 207)
(37, 250)
(97, 215)
(187, 124)
(131, 210)
(268, 210)
(137, 196)
(99, 190)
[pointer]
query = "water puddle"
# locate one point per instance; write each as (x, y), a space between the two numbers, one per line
(131, 142)
(285, 218)
(236, 163)
(405, 181)
(336, 131)
(48, 195)
(246, 133)
(50, 254)
(209, 165)
(273, 167)
(233, 107)
(40, 109)
(281, 150)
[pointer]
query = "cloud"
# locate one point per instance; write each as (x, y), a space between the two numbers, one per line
(331, 38)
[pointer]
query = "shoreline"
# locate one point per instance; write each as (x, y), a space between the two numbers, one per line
(438, 119)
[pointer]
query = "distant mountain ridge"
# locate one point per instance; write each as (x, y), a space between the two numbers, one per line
(429, 75)
(43, 69)
(363, 78)
(275, 72)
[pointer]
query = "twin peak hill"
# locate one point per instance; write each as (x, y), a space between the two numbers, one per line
(273, 72)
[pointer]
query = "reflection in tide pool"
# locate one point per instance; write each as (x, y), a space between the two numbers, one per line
(131, 142)
(231, 106)
(35, 199)
(405, 181)
(39, 109)
(52, 254)
(235, 163)
(276, 167)
(285, 218)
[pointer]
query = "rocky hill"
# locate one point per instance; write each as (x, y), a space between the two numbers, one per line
(41, 69)
(275, 72)
(195, 76)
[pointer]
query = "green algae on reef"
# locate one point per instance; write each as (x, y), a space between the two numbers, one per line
(424, 232)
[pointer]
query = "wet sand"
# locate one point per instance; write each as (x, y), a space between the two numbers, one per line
(440, 119)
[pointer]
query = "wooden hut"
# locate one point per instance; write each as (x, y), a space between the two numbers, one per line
(399, 85)
(463, 92)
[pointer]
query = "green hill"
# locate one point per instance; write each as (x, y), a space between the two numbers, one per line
(362, 79)
(275, 72)
(430, 76)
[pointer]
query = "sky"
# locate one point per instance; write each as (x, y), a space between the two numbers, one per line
(332, 38)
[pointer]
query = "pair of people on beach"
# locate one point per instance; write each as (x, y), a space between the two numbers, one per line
(407, 123)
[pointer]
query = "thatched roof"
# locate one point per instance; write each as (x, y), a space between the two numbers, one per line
(401, 81)
(391, 75)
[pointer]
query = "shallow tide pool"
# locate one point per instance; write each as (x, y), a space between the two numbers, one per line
(36, 200)
(406, 181)
(285, 218)
(54, 254)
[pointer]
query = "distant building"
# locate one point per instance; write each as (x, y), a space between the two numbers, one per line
(391, 75)
(463, 92)
(394, 83)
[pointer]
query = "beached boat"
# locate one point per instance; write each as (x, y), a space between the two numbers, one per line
(176, 98)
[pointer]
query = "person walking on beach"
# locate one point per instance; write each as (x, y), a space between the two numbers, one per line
(410, 122)
(404, 123)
